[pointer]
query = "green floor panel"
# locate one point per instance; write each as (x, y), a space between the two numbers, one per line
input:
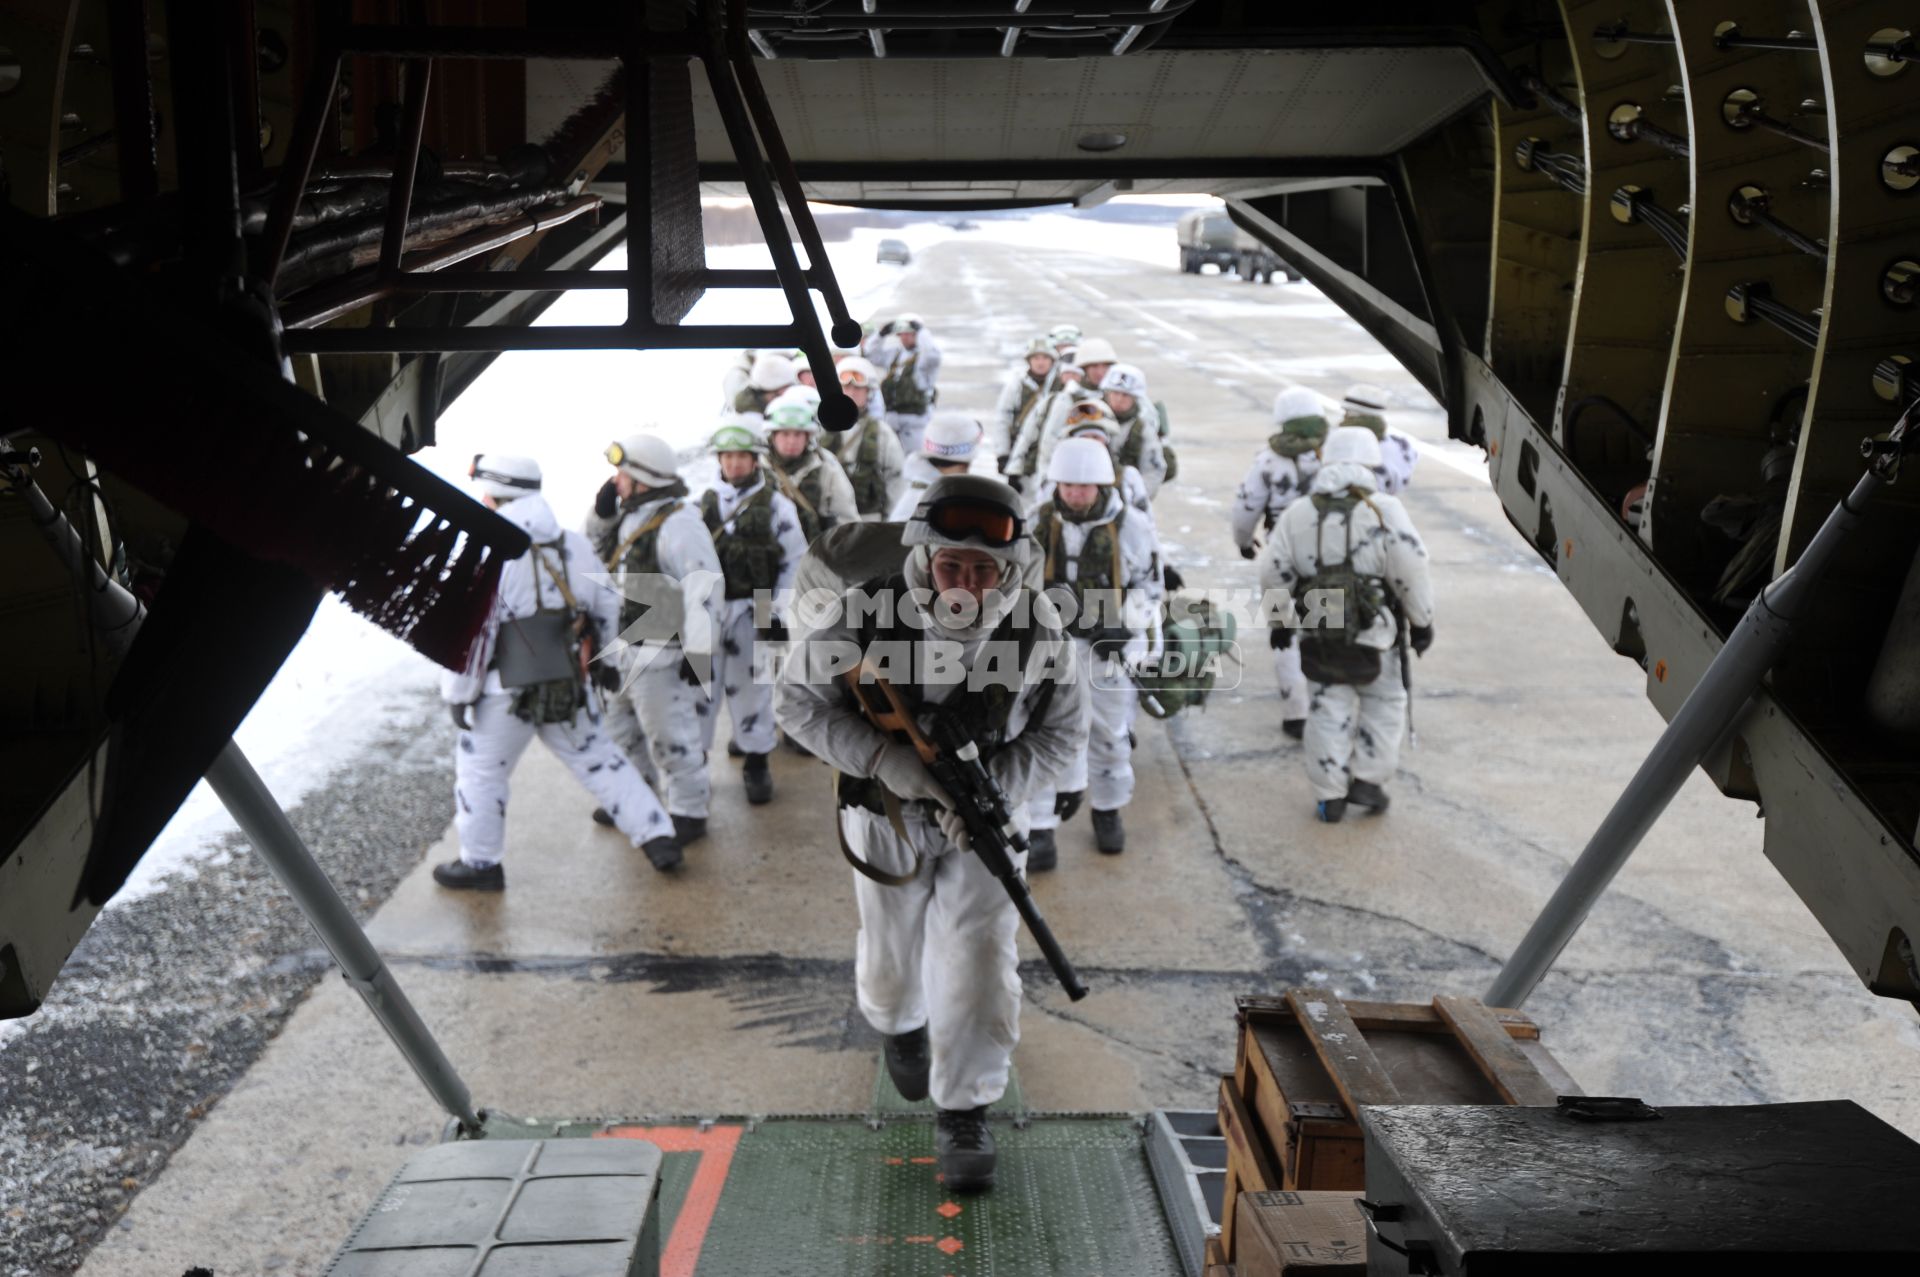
(1074, 1196)
(818, 1196)
(887, 1100)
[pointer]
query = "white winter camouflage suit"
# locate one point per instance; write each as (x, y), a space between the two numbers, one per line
(1004, 426)
(837, 504)
(1105, 767)
(742, 671)
(1153, 455)
(940, 950)
(657, 717)
(1353, 732)
(888, 355)
(1272, 484)
(485, 753)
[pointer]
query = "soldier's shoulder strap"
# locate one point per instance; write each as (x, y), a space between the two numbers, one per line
(650, 526)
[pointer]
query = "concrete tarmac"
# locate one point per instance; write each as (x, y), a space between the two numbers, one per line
(594, 986)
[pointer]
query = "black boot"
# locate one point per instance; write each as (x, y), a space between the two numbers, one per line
(688, 829)
(908, 1063)
(758, 780)
(461, 876)
(1330, 810)
(734, 751)
(1109, 835)
(1294, 728)
(601, 816)
(963, 1146)
(662, 852)
(1364, 793)
(1042, 852)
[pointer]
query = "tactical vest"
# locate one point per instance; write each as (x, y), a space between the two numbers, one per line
(982, 715)
(639, 555)
(749, 551)
(807, 491)
(902, 390)
(863, 470)
(1134, 444)
(750, 400)
(1097, 567)
(1042, 404)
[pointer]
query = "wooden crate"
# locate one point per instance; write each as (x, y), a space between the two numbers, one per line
(1307, 1061)
(1251, 1167)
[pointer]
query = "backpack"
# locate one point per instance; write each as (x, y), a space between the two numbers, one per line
(1338, 656)
(1195, 643)
(538, 657)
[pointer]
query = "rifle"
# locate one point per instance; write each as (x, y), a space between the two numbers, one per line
(953, 759)
(1401, 637)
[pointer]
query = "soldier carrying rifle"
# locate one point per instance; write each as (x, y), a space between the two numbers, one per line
(948, 649)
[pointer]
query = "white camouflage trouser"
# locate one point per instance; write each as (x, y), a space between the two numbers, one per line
(483, 762)
(659, 721)
(1353, 731)
(1293, 684)
(911, 427)
(1105, 767)
(938, 951)
(742, 676)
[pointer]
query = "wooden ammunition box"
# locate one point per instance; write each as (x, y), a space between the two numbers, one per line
(1307, 1061)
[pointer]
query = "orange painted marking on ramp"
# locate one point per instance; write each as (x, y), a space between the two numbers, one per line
(925, 1161)
(715, 1145)
(948, 1209)
(951, 1245)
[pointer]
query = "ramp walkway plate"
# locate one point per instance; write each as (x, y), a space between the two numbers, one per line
(816, 1196)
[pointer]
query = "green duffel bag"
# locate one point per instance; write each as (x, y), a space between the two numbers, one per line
(1199, 639)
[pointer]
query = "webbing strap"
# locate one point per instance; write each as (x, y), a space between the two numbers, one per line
(892, 805)
(651, 525)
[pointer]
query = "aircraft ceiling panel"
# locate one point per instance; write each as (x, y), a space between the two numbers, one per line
(1305, 103)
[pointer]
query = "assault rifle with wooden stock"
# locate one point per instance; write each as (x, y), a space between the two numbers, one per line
(953, 759)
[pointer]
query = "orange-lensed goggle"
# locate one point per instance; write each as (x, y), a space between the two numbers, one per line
(991, 525)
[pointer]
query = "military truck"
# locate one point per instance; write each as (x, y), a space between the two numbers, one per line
(1255, 261)
(1207, 238)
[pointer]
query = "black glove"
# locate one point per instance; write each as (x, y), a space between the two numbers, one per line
(1000, 463)
(1018, 482)
(886, 329)
(1174, 581)
(1280, 638)
(462, 716)
(687, 673)
(774, 631)
(1065, 804)
(607, 500)
(606, 676)
(1247, 552)
(1422, 637)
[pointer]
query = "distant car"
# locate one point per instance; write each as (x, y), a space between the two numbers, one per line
(893, 250)
(962, 224)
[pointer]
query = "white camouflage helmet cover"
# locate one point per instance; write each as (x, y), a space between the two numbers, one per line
(1095, 350)
(1350, 443)
(952, 435)
(1127, 379)
(1295, 402)
(504, 477)
(860, 366)
(650, 459)
(1064, 334)
(977, 489)
(771, 371)
(739, 432)
(1079, 460)
(794, 410)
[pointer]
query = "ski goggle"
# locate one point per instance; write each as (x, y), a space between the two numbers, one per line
(991, 525)
(616, 455)
(1087, 414)
(855, 378)
(479, 472)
